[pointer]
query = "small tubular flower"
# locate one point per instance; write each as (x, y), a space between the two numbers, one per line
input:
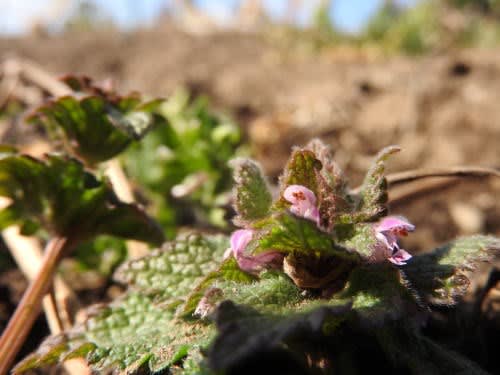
(387, 232)
(303, 202)
(251, 263)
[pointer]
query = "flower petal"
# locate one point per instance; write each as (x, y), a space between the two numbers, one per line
(397, 225)
(251, 263)
(400, 257)
(239, 240)
(296, 194)
(303, 202)
(254, 264)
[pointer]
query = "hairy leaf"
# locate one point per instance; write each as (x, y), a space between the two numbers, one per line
(97, 124)
(357, 237)
(140, 331)
(373, 194)
(293, 235)
(378, 294)
(133, 334)
(330, 171)
(274, 292)
(60, 195)
(440, 276)
(176, 268)
(251, 195)
(227, 271)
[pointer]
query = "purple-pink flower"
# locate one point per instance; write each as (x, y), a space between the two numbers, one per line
(387, 232)
(303, 202)
(251, 263)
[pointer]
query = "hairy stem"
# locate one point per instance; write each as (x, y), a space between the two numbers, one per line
(21, 322)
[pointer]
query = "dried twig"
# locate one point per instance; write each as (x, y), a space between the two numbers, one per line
(410, 184)
(28, 255)
(417, 174)
(436, 179)
(26, 312)
(401, 194)
(61, 304)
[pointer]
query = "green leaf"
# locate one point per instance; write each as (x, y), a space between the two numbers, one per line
(132, 334)
(373, 194)
(227, 271)
(440, 276)
(251, 195)
(290, 234)
(378, 294)
(60, 195)
(97, 124)
(140, 332)
(176, 268)
(274, 292)
(358, 238)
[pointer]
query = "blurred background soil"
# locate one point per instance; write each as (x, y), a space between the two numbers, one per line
(442, 108)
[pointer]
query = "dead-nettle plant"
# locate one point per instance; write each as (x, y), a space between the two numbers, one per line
(59, 194)
(313, 280)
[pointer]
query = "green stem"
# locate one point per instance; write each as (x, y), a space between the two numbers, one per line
(21, 322)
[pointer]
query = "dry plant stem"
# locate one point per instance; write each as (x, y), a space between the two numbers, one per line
(417, 174)
(59, 306)
(28, 255)
(123, 190)
(404, 193)
(452, 174)
(21, 322)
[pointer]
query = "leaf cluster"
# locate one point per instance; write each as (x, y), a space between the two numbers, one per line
(187, 177)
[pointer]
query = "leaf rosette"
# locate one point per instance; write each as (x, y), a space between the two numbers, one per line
(312, 281)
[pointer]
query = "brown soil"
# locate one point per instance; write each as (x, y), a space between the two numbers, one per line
(442, 110)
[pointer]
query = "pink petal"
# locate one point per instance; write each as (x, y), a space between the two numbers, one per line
(297, 194)
(251, 263)
(240, 239)
(400, 257)
(312, 214)
(396, 225)
(303, 202)
(254, 264)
